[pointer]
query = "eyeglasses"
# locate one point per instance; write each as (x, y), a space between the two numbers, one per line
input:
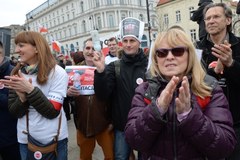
(88, 48)
(176, 51)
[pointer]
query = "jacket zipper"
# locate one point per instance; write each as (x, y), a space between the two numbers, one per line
(174, 128)
(88, 113)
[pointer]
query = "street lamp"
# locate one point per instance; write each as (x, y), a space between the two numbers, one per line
(149, 24)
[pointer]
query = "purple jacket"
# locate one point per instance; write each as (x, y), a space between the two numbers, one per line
(203, 134)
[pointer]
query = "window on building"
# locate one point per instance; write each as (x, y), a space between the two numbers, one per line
(191, 9)
(99, 23)
(153, 22)
(144, 41)
(97, 3)
(67, 49)
(140, 3)
(109, 2)
(63, 19)
(81, 6)
(56, 35)
(62, 50)
(123, 15)
(111, 21)
(83, 27)
(193, 34)
(75, 30)
(73, 14)
(70, 31)
(65, 33)
(141, 17)
(68, 17)
(60, 34)
(178, 16)
(77, 46)
(166, 19)
(122, 2)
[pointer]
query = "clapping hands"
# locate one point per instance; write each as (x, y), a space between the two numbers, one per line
(183, 101)
(19, 84)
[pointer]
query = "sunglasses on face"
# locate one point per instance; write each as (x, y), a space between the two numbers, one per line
(176, 51)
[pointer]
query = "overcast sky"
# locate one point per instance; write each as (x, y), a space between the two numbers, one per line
(14, 11)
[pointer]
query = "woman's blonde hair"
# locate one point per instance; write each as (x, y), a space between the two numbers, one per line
(176, 36)
(46, 61)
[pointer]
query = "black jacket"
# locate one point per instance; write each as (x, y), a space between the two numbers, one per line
(121, 88)
(238, 8)
(229, 80)
(8, 123)
(198, 17)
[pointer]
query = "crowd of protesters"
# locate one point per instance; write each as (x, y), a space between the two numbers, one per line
(178, 108)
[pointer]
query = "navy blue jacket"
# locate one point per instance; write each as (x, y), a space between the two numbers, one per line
(8, 123)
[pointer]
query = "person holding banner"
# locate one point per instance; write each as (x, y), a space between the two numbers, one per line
(91, 115)
(119, 80)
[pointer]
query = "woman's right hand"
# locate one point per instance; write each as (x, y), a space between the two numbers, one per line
(165, 97)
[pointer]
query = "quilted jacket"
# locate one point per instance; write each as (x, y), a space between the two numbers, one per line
(204, 134)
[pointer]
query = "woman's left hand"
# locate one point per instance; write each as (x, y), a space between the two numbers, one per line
(183, 101)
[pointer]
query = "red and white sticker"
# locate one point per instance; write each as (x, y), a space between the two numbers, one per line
(139, 81)
(37, 155)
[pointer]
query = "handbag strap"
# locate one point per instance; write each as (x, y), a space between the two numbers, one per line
(59, 124)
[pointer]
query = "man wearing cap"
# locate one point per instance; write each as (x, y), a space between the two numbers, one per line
(120, 78)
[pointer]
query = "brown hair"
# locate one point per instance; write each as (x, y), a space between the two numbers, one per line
(78, 57)
(46, 61)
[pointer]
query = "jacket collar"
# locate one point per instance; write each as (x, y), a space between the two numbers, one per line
(233, 40)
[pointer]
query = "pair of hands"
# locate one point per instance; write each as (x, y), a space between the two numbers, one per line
(183, 101)
(224, 54)
(19, 84)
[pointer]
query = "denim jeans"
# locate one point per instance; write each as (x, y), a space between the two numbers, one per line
(121, 148)
(62, 150)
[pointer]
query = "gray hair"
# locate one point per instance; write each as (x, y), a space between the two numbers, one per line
(227, 12)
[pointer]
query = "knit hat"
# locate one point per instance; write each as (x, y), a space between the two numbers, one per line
(131, 27)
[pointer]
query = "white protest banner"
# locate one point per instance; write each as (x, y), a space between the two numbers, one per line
(82, 78)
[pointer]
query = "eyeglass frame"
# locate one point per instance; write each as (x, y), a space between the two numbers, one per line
(174, 53)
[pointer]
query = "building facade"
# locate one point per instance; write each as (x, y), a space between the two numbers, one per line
(70, 22)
